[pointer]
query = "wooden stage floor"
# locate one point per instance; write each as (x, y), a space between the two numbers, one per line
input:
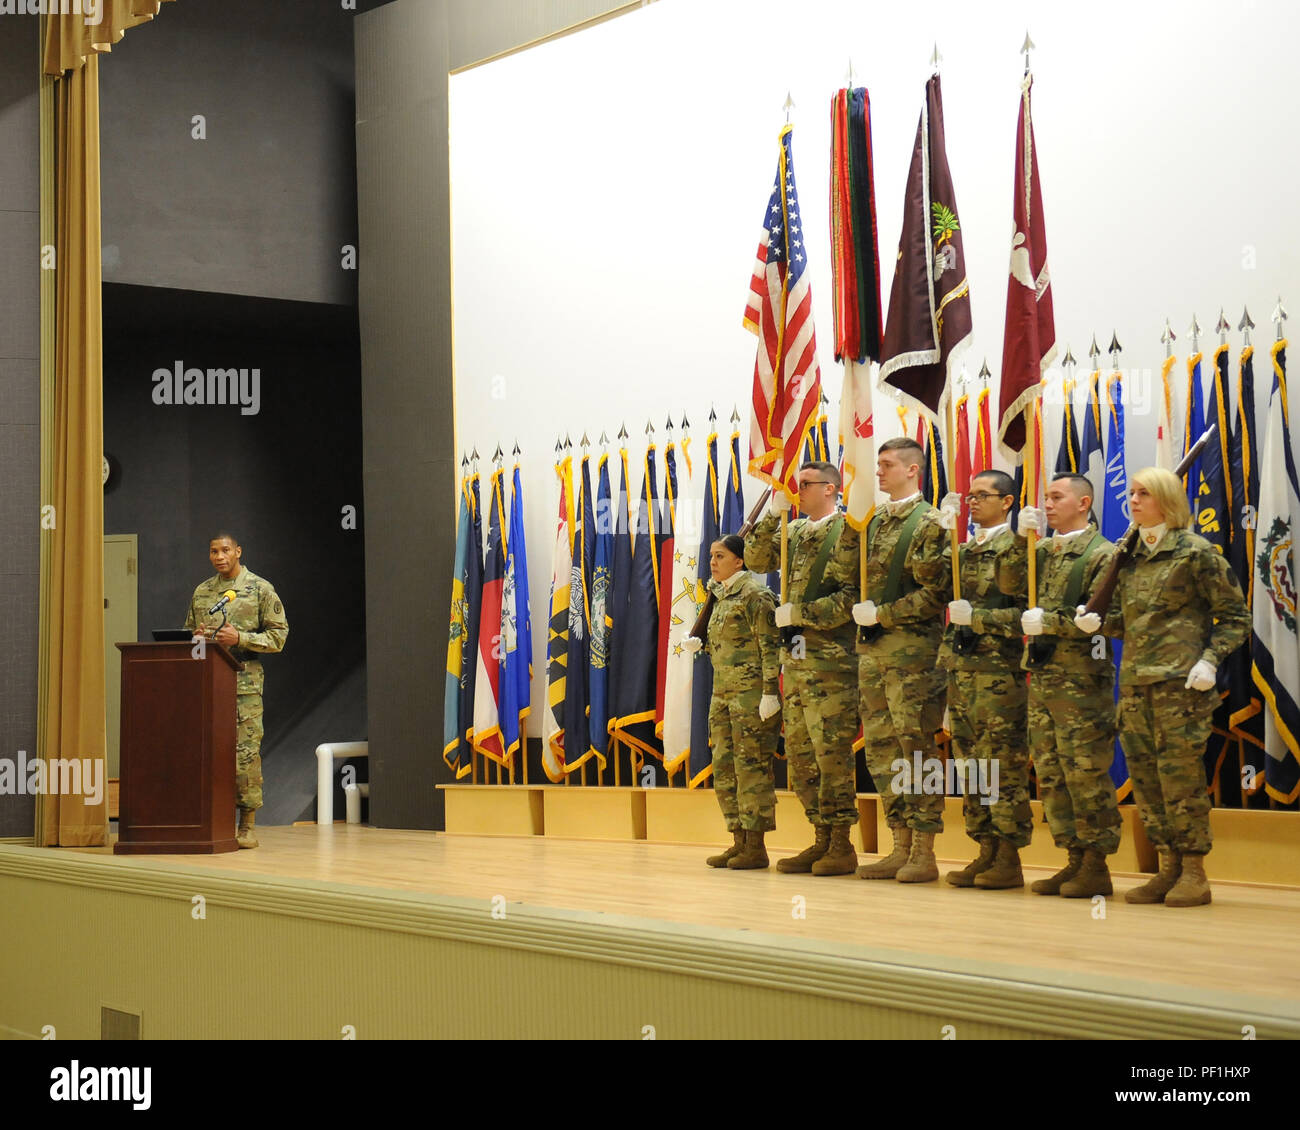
(1242, 947)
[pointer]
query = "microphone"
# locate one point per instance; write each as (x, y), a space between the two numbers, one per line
(226, 598)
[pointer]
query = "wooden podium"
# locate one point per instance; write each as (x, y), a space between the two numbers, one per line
(178, 749)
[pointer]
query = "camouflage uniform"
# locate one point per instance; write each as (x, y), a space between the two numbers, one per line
(1072, 704)
(819, 691)
(1173, 605)
(900, 690)
(986, 690)
(745, 647)
(258, 616)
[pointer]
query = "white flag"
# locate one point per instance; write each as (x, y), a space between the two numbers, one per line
(1276, 645)
(1164, 433)
(687, 599)
(857, 436)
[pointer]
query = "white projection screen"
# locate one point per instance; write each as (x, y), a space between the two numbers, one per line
(608, 186)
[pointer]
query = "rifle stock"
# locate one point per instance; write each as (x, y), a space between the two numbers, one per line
(1102, 595)
(701, 627)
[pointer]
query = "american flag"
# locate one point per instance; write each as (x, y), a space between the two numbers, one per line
(787, 379)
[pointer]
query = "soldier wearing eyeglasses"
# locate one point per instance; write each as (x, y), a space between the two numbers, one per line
(986, 689)
(819, 707)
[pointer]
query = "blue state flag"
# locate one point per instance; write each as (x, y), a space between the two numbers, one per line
(1212, 519)
(1246, 720)
(638, 632)
(1193, 426)
(516, 632)
(701, 759)
(598, 653)
(620, 584)
(1212, 506)
(1115, 523)
(1092, 461)
(1067, 451)
(732, 515)
(577, 734)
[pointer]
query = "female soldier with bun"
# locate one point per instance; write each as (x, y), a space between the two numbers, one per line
(744, 715)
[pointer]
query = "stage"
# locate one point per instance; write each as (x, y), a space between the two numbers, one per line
(325, 932)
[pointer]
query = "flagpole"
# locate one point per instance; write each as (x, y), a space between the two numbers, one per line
(950, 431)
(1031, 457)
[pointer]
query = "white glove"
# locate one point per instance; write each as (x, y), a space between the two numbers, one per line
(785, 615)
(778, 504)
(1031, 621)
(768, 705)
(1031, 518)
(1087, 622)
(866, 613)
(1201, 677)
(959, 612)
(692, 644)
(950, 510)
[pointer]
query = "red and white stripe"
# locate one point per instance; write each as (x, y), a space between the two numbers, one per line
(787, 377)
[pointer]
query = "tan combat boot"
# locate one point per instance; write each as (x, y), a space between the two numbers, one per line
(888, 867)
(752, 856)
(1052, 884)
(1093, 878)
(244, 835)
(802, 863)
(1192, 888)
(966, 876)
(1160, 884)
(731, 852)
(1005, 872)
(840, 858)
(920, 866)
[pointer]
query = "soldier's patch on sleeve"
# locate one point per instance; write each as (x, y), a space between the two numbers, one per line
(277, 608)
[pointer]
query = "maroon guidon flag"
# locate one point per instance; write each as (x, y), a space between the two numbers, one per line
(929, 322)
(1029, 343)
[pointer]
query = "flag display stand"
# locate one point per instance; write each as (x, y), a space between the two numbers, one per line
(1249, 846)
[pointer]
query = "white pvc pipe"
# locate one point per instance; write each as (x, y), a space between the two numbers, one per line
(352, 801)
(326, 755)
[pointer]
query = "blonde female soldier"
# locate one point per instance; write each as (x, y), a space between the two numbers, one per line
(744, 715)
(1179, 610)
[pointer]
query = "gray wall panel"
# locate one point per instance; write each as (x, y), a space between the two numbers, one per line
(274, 83)
(20, 287)
(403, 53)
(20, 382)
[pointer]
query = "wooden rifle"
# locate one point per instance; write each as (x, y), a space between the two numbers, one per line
(701, 628)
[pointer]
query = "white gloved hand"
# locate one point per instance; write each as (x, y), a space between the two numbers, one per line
(1031, 621)
(784, 615)
(778, 504)
(1201, 677)
(944, 519)
(692, 644)
(1031, 518)
(866, 613)
(768, 705)
(959, 612)
(1087, 622)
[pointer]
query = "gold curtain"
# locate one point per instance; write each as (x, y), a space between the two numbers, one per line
(72, 647)
(70, 41)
